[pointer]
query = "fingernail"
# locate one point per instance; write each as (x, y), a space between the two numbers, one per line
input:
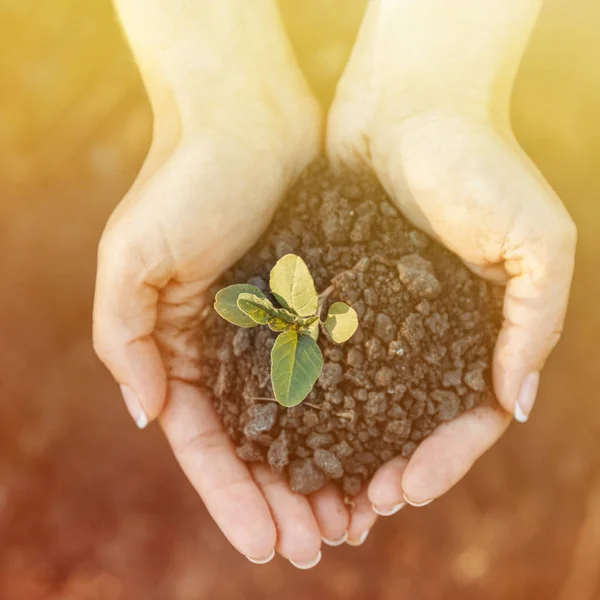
(261, 561)
(337, 542)
(360, 541)
(308, 565)
(417, 504)
(526, 399)
(382, 512)
(134, 407)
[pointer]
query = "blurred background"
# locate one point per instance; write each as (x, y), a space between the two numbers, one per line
(92, 509)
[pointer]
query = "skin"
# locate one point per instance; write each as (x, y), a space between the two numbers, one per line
(430, 119)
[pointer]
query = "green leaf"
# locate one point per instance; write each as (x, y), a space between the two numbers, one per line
(226, 303)
(293, 285)
(296, 363)
(341, 322)
(262, 312)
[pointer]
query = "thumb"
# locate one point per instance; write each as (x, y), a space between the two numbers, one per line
(125, 308)
(540, 268)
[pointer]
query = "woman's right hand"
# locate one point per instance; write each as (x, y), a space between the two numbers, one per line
(219, 165)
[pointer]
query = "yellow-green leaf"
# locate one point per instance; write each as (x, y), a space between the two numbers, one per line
(293, 285)
(278, 325)
(341, 322)
(296, 363)
(305, 322)
(226, 303)
(262, 312)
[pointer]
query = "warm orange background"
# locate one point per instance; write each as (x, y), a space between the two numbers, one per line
(92, 509)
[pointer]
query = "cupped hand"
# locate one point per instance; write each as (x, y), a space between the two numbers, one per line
(448, 158)
(202, 199)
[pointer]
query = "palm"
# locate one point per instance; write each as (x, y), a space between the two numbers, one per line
(429, 178)
(217, 209)
(470, 186)
(188, 218)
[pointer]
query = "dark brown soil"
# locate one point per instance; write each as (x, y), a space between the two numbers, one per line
(420, 357)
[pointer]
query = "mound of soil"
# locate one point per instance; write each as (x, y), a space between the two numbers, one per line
(420, 357)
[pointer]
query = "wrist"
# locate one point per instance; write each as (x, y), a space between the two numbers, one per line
(432, 54)
(269, 116)
(206, 62)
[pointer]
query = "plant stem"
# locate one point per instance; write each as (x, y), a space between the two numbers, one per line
(346, 415)
(322, 297)
(313, 406)
(273, 400)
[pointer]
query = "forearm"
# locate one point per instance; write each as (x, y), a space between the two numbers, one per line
(203, 55)
(458, 50)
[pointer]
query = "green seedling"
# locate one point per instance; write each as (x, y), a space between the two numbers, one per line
(296, 360)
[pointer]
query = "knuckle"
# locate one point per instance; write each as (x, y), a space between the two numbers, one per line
(228, 485)
(561, 238)
(113, 243)
(553, 254)
(554, 336)
(567, 235)
(100, 345)
(202, 442)
(265, 477)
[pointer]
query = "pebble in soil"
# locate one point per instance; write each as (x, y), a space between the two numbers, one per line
(420, 357)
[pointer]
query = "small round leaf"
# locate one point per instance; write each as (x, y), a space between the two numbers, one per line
(341, 322)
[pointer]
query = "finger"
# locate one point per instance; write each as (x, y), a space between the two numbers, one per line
(494, 273)
(332, 515)
(535, 304)
(362, 520)
(447, 455)
(385, 490)
(298, 535)
(207, 456)
(124, 319)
